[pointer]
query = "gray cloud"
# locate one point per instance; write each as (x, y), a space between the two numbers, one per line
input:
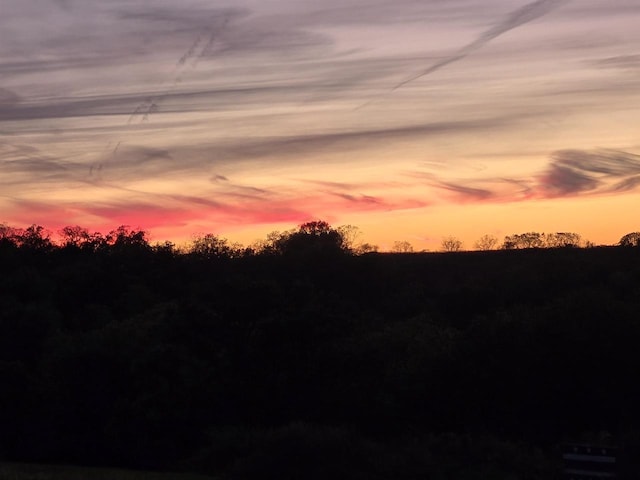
(462, 189)
(320, 81)
(467, 192)
(576, 171)
(25, 166)
(569, 173)
(123, 161)
(33, 165)
(627, 185)
(383, 13)
(134, 162)
(193, 200)
(8, 97)
(332, 185)
(64, 4)
(560, 181)
(613, 163)
(301, 147)
(176, 17)
(598, 9)
(367, 199)
(40, 66)
(620, 61)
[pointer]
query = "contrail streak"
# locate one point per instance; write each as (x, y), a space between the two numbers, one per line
(515, 19)
(187, 61)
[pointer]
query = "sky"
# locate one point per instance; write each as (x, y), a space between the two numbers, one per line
(411, 119)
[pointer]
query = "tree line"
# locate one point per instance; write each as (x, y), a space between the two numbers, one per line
(314, 236)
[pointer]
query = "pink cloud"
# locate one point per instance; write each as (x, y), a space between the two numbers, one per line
(180, 215)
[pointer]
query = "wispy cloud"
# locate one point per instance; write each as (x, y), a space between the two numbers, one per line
(467, 192)
(610, 163)
(569, 173)
(559, 181)
(578, 171)
(631, 62)
(627, 185)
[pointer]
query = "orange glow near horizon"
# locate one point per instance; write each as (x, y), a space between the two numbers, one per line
(423, 227)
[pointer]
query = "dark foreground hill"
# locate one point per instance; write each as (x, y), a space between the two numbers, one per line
(461, 365)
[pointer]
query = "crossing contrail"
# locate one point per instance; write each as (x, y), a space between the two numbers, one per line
(515, 19)
(187, 61)
(199, 48)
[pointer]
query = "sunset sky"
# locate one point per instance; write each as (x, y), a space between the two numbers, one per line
(412, 119)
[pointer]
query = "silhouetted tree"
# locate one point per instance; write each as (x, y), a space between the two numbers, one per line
(630, 240)
(210, 246)
(524, 240)
(451, 244)
(350, 235)
(311, 238)
(273, 243)
(402, 246)
(165, 248)
(35, 237)
(316, 228)
(75, 236)
(486, 242)
(562, 239)
(8, 235)
(257, 247)
(124, 238)
(365, 248)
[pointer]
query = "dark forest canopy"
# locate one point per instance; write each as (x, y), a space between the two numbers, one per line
(297, 359)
